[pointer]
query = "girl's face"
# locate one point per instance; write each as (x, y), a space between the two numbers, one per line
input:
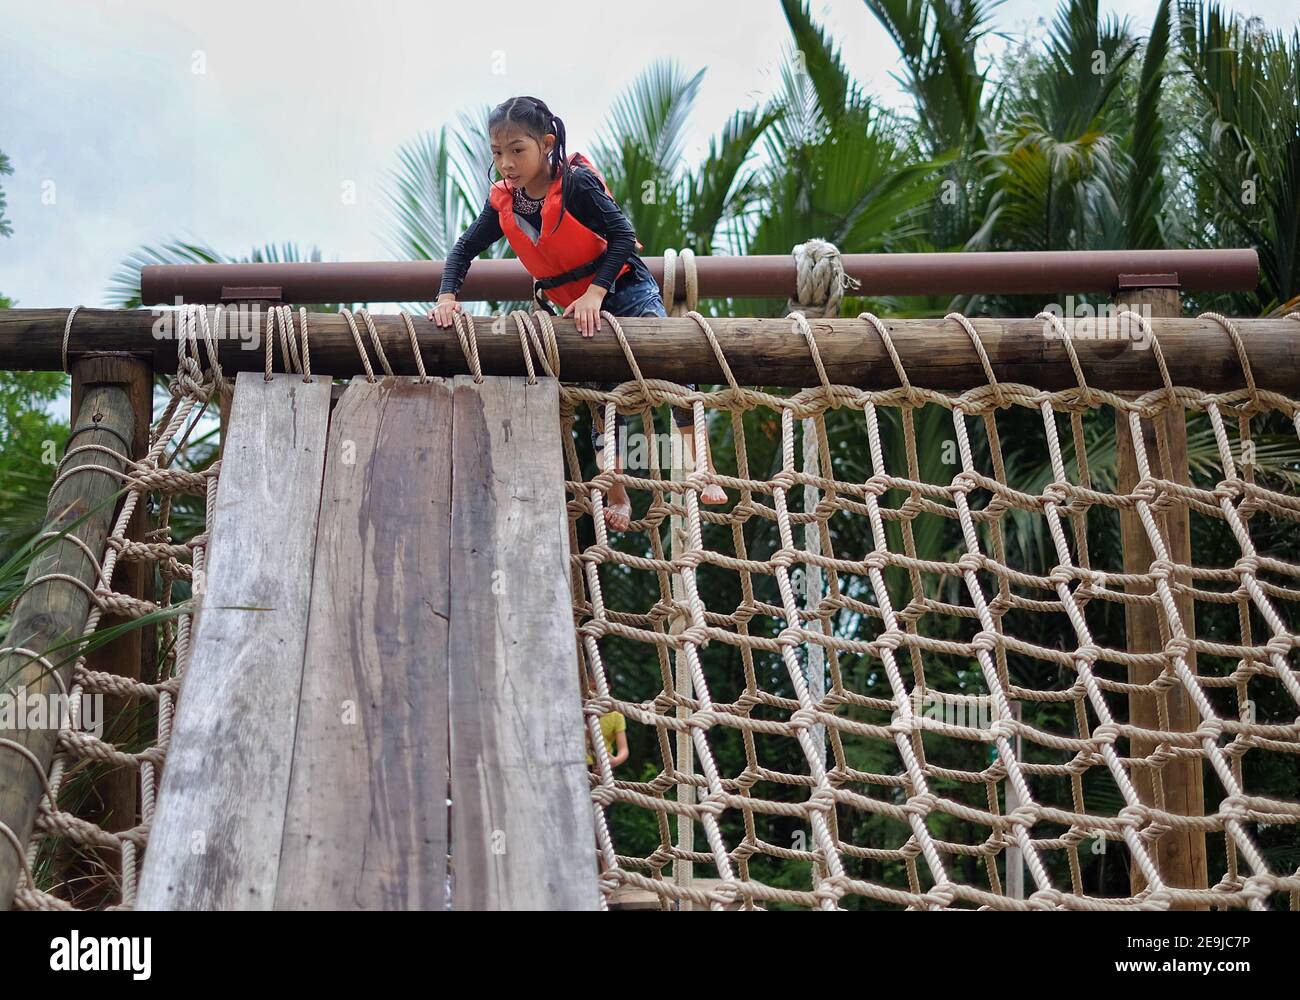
(519, 158)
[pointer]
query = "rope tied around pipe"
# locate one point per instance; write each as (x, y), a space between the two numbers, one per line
(820, 279)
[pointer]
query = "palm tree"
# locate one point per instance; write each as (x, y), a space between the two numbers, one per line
(937, 42)
(1246, 148)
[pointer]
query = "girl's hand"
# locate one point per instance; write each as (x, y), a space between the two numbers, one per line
(586, 310)
(443, 308)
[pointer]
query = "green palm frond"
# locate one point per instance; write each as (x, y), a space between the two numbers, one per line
(816, 55)
(1086, 55)
(1056, 162)
(1144, 200)
(23, 504)
(860, 185)
(955, 109)
(1044, 187)
(719, 189)
(437, 189)
(1246, 150)
(471, 160)
(425, 206)
(937, 42)
(650, 117)
(639, 150)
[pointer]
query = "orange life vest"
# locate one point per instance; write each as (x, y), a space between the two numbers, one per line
(562, 261)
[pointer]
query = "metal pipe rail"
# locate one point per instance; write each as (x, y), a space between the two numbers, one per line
(762, 276)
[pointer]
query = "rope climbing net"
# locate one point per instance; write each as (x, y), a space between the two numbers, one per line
(891, 670)
(888, 726)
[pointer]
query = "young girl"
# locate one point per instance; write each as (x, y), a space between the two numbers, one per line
(563, 224)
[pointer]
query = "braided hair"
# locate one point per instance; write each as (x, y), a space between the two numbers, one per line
(534, 117)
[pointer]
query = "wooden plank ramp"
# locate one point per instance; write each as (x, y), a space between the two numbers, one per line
(431, 654)
(366, 826)
(522, 822)
(215, 838)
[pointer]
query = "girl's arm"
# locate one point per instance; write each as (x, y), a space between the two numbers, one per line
(482, 233)
(620, 745)
(600, 213)
(597, 211)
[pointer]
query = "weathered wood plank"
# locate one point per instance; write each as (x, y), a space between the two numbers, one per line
(522, 834)
(936, 353)
(366, 824)
(215, 842)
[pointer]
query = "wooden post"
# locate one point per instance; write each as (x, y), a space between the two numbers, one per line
(92, 872)
(1179, 854)
(56, 611)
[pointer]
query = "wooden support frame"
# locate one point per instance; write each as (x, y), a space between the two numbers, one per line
(117, 793)
(56, 611)
(1180, 855)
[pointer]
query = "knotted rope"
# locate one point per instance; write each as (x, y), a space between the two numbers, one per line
(820, 279)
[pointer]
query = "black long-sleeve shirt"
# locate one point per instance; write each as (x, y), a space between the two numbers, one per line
(589, 204)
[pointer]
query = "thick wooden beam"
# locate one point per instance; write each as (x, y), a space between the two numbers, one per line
(522, 832)
(1179, 854)
(56, 611)
(366, 825)
(935, 352)
(217, 830)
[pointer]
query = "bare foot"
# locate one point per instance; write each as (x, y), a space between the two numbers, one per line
(713, 493)
(618, 515)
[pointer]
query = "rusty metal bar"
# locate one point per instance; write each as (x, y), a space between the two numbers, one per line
(1011, 273)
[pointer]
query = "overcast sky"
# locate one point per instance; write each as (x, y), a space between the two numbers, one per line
(238, 124)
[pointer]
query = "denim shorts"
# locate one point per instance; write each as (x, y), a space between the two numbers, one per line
(641, 298)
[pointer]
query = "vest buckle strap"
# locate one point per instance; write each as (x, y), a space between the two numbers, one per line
(563, 279)
(540, 300)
